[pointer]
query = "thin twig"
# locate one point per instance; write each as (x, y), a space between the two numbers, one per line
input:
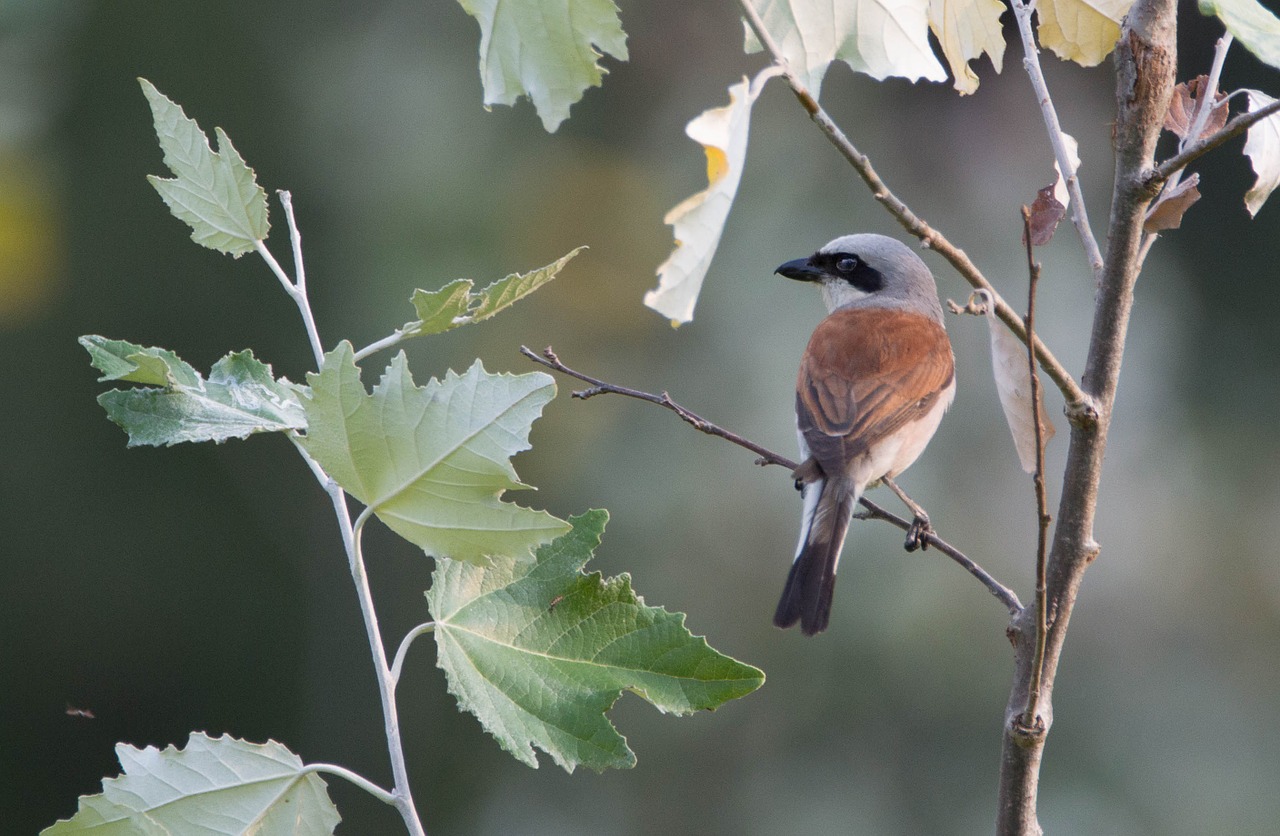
(1230, 131)
(1080, 407)
(1031, 719)
(549, 359)
(1070, 171)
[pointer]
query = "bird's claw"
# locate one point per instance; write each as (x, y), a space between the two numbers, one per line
(918, 534)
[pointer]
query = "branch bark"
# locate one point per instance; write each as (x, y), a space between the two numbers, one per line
(1145, 61)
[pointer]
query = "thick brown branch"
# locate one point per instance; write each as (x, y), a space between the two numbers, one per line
(549, 359)
(1080, 407)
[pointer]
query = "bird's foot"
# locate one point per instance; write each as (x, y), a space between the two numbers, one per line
(918, 533)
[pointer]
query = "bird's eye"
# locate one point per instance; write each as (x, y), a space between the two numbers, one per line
(847, 264)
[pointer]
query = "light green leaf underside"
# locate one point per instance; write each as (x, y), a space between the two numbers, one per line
(456, 304)
(538, 652)
(545, 49)
(239, 398)
(213, 786)
(216, 194)
(432, 462)
(1251, 24)
(881, 38)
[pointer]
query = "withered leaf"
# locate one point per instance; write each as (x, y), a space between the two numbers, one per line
(1167, 211)
(1182, 109)
(1046, 212)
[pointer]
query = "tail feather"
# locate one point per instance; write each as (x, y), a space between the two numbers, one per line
(812, 580)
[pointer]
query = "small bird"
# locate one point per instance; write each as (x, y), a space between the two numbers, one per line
(874, 381)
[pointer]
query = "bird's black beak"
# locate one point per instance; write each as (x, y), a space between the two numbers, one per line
(801, 270)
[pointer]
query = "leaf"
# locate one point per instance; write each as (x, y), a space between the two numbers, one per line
(1084, 31)
(881, 38)
(1060, 191)
(1263, 149)
(1251, 24)
(455, 304)
(1013, 383)
(966, 29)
(1182, 109)
(1046, 212)
(432, 462)
(213, 786)
(544, 49)
(699, 219)
(216, 194)
(1167, 211)
(239, 398)
(538, 652)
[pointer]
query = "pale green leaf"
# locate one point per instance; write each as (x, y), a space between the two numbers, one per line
(881, 38)
(216, 194)
(966, 29)
(240, 397)
(1084, 31)
(432, 462)
(540, 651)
(1251, 24)
(1263, 149)
(456, 304)
(544, 49)
(214, 786)
(699, 220)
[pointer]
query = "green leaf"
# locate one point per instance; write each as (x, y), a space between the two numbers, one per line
(538, 652)
(1252, 24)
(432, 462)
(544, 49)
(878, 38)
(213, 786)
(239, 398)
(455, 305)
(216, 194)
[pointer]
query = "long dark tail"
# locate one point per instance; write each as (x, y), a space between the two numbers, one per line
(807, 595)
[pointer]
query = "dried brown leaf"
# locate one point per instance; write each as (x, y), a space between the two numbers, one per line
(1182, 109)
(1046, 212)
(1168, 210)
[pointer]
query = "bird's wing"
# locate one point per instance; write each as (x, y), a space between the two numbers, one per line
(868, 372)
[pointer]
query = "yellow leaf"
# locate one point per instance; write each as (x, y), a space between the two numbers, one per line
(1084, 31)
(966, 29)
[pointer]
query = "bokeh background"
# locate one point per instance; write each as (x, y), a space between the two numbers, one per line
(203, 587)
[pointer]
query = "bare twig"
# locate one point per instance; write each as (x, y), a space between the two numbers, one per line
(1080, 407)
(549, 359)
(1031, 719)
(1198, 149)
(1031, 62)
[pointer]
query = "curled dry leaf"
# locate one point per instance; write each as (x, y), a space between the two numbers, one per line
(1046, 212)
(1183, 104)
(1167, 211)
(1013, 382)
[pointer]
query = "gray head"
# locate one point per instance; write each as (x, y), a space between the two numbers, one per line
(869, 271)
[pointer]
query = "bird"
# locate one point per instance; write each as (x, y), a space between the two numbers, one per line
(874, 381)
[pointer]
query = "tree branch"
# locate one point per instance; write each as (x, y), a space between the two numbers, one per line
(1080, 408)
(1198, 149)
(549, 359)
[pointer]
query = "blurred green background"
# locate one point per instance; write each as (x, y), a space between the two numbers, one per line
(203, 587)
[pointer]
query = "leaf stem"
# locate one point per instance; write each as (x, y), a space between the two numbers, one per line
(1031, 62)
(374, 347)
(403, 651)
(299, 292)
(359, 780)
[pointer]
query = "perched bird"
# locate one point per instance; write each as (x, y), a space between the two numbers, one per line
(874, 381)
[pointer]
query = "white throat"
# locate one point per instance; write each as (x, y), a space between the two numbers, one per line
(837, 293)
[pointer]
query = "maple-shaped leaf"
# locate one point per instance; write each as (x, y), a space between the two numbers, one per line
(699, 220)
(216, 194)
(881, 38)
(457, 304)
(545, 49)
(539, 651)
(1251, 23)
(1167, 211)
(240, 396)
(212, 787)
(432, 462)
(1183, 104)
(1263, 149)
(966, 29)
(1084, 31)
